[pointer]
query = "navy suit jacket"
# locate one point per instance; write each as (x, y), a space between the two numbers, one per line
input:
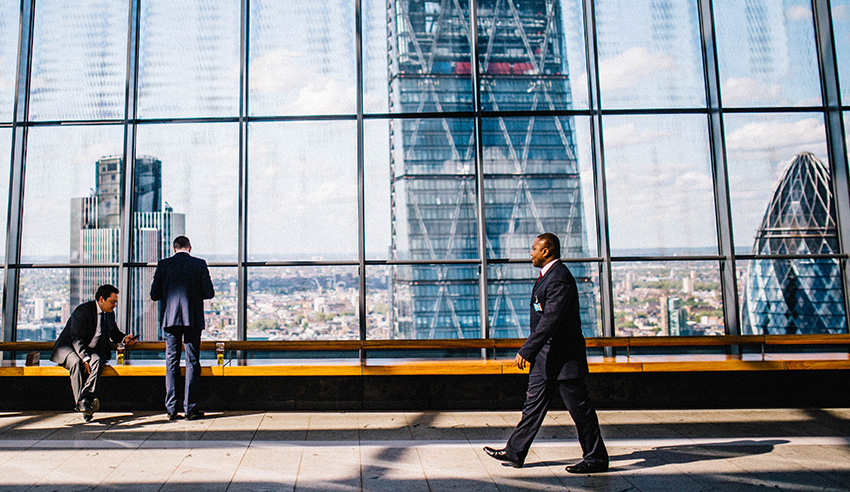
(555, 339)
(181, 283)
(79, 331)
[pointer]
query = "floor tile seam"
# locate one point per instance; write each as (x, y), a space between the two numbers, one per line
(804, 465)
(236, 468)
(422, 469)
(115, 469)
(48, 472)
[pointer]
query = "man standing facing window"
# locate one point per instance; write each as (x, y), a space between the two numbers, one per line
(181, 283)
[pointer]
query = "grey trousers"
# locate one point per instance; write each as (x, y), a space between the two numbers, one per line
(83, 385)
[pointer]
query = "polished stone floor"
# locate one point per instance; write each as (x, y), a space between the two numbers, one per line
(671, 450)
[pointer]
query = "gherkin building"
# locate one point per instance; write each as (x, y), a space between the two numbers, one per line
(790, 296)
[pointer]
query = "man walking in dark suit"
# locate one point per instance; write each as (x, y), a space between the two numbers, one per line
(555, 351)
(83, 346)
(181, 283)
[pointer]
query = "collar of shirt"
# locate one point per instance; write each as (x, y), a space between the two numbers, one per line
(547, 267)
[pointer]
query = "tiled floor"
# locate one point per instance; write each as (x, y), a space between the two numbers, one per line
(678, 451)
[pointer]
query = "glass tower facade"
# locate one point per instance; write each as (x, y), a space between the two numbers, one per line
(531, 184)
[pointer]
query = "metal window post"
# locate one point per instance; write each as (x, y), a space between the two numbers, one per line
(242, 274)
(130, 115)
(361, 176)
(17, 171)
(719, 170)
(600, 188)
(836, 143)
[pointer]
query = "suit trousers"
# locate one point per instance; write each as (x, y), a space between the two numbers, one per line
(540, 392)
(83, 385)
(175, 338)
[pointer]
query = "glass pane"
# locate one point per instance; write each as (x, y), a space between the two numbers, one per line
(189, 58)
(379, 302)
(303, 303)
(219, 312)
(48, 296)
(432, 189)
(527, 53)
(434, 302)
(779, 177)
(71, 211)
(302, 201)
(667, 298)
(79, 60)
(311, 69)
(509, 297)
(9, 21)
(429, 56)
(5, 160)
(787, 297)
(649, 54)
(378, 189)
(199, 169)
(660, 193)
(841, 27)
(535, 182)
(767, 54)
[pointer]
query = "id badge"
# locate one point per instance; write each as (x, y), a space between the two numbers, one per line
(536, 305)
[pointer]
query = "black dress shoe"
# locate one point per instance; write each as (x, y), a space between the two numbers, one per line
(588, 467)
(173, 416)
(194, 415)
(95, 405)
(502, 455)
(85, 407)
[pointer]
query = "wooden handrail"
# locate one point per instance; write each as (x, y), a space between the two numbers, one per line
(469, 344)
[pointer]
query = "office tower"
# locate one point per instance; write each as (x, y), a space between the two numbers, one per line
(677, 318)
(96, 229)
(531, 173)
(787, 296)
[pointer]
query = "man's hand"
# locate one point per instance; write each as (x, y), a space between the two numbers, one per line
(87, 366)
(521, 362)
(130, 339)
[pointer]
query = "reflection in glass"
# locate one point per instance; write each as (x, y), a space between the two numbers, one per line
(303, 193)
(303, 303)
(680, 298)
(660, 193)
(62, 187)
(784, 296)
(435, 302)
(5, 159)
(9, 22)
(44, 300)
(79, 60)
(189, 58)
(841, 28)
(767, 55)
(311, 69)
(198, 176)
(758, 150)
(377, 189)
(378, 302)
(509, 298)
(523, 54)
(649, 54)
(429, 53)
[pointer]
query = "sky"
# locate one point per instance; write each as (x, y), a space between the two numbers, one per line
(302, 177)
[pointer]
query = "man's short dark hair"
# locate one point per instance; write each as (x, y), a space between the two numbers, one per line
(105, 291)
(182, 242)
(551, 242)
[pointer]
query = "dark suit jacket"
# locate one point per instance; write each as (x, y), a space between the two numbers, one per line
(181, 283)
(556, 339)
(79, 331)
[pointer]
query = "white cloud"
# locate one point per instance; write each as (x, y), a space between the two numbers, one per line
(631, 66)
(799, 13)
(628, 134)
(743, 91)
(773, 135)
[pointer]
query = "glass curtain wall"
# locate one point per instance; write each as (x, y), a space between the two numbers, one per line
(687, 170)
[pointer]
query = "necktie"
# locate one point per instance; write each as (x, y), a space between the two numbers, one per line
(539, 277)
